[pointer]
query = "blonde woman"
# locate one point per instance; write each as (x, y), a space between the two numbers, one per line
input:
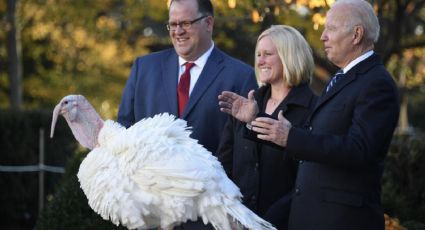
(284, 66)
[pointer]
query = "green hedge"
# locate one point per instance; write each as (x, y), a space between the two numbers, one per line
(19, 138)
(69, 208)
(403, 185)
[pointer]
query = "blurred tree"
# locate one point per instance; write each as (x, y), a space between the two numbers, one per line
(82, 47)
(14, 55)
(401, 44)
(409, 69)
(77, 46)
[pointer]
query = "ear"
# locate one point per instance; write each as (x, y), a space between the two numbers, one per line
(358, 34)
(210, 23)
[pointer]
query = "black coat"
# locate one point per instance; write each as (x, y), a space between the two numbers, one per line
(338, 184)
(266, 178)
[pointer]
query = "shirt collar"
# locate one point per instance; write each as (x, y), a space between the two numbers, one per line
(201, 61)
(357, 61)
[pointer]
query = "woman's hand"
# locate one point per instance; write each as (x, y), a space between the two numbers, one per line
(243, 109)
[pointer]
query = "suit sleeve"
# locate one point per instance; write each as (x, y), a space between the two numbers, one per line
(373, 121)
(249, 84)
(126, 111)
(225, 148)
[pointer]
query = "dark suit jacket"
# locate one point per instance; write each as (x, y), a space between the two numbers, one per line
(152, 89)
(342, 150)
(266, 178)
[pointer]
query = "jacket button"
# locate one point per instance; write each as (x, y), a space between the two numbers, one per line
(256, 166)
(301, 162)
(254, 199)
(310, 128)
(297, 191)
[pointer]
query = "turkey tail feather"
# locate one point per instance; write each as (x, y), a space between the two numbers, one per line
(241, 214)
(235, 216)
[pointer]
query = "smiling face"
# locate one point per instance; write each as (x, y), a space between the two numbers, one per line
(191, 43)
(268, 63)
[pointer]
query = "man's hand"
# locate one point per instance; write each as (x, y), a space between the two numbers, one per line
(243, 109)
(275, 131)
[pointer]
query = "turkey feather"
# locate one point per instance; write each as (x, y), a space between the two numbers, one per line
(152, 174)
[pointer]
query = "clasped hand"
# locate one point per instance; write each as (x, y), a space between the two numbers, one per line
(272, 130)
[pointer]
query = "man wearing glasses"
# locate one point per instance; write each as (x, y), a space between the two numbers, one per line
(155, 84)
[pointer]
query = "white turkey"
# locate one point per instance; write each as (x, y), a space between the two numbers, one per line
(152, 174)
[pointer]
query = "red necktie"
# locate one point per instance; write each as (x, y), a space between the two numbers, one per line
(183, 87)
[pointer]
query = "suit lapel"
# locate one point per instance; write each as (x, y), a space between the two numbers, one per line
(349, 77)
(170, 68)
(211, 69)
(343, 81)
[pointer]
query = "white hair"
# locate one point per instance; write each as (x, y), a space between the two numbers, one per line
(362, 13)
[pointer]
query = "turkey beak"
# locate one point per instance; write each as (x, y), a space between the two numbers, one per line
(56, 111)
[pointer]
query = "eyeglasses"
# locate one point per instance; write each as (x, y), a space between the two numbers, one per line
(184, 25)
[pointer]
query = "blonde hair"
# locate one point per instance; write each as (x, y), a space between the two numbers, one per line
(294, 52)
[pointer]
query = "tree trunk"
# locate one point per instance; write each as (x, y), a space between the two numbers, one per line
(403, 120)
(14, 52)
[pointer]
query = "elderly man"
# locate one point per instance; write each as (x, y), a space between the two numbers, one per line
(346, 138)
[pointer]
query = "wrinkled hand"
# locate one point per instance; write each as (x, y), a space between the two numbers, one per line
(243, 109)
(272, 130)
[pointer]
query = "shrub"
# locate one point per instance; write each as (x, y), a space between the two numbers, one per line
(19, 138)
(403, 187)
(68, 208)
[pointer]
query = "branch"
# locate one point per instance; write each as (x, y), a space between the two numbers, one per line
(416, 43)
(418, 7)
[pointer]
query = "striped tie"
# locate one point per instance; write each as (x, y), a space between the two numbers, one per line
(334, 79)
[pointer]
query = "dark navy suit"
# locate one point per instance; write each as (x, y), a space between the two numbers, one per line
(342, 151)
(152, 89)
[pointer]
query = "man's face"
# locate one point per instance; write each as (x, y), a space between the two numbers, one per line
(192, 42)
(337, 38)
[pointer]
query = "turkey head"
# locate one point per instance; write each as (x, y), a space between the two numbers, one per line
(81, 117)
